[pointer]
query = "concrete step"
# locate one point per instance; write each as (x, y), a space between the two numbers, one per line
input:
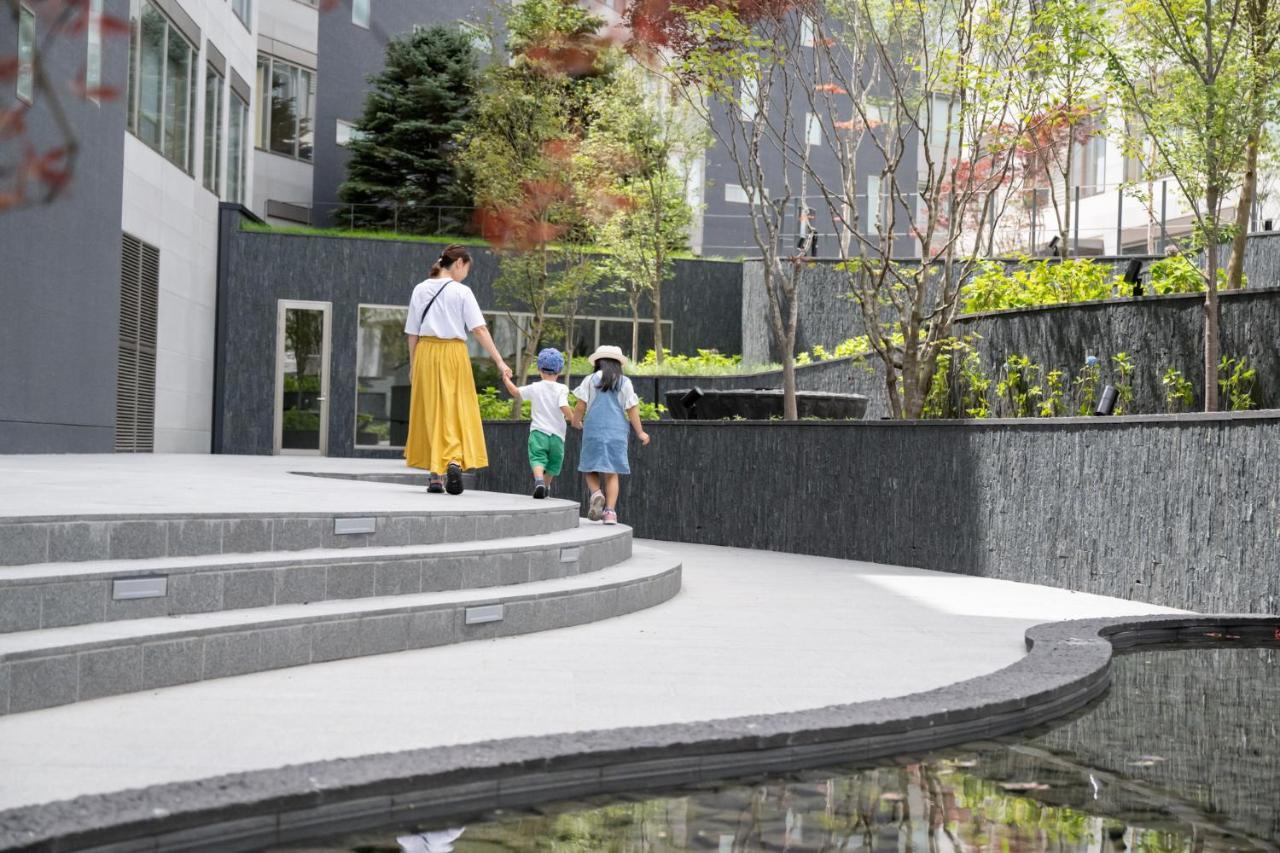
(41, 669)
(55, 595)
(425, 520)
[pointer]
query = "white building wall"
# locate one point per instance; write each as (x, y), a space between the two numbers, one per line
(172, 210)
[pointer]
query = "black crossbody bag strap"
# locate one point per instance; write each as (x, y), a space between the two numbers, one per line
(423, 318)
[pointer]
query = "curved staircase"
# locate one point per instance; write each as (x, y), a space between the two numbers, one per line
(101, 604)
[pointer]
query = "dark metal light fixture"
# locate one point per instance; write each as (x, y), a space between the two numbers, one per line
(1133, 275)
(690, 402)
(1107, 403)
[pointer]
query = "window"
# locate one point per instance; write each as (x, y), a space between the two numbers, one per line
(736, 194)
(237, 148)
(242, 8)
(382, 377)
(26, 54)
(360, 13)
(93, 53)
(288, 104)
(480, 41)
(873, 204)
(812, 129)
(748, 98)
(213, 86)
(806, 31)
(347, 133)
(1089, 166)
(162, 87)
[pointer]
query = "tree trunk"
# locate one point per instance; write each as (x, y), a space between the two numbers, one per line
(634, 298)
(1212, 318)
(1235, 267)
(790, 408)
(655, 300)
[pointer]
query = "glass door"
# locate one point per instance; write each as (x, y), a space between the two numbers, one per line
(302, 377)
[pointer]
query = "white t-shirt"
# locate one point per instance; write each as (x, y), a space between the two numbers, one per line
(454, 314)
(547, 397)
(587, 391)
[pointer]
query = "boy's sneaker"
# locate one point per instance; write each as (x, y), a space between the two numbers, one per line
(610, 516)
(597, 507)
(540, 491)
(436, 487)
(453, 479)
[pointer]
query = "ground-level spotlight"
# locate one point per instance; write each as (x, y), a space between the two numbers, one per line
(1107, 403)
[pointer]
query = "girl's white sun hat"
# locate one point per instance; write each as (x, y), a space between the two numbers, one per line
(614, 353)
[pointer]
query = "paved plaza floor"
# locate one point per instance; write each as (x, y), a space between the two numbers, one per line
(750, 633)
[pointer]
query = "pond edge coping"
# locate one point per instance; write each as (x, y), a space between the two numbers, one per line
(1067, 666)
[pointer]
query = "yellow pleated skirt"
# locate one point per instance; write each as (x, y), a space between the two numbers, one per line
(444, 414)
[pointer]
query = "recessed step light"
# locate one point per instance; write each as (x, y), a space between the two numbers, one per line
(344, 526)
(130, 588)
(484, 613)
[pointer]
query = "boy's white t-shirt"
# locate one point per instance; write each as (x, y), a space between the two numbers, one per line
(454, 314)
(587, 391)
(547, 397)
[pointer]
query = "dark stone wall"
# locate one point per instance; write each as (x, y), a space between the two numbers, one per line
(1158, 332)
(1172, 510)
(255, 270)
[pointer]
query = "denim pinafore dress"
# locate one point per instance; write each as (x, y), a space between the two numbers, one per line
(604, 431)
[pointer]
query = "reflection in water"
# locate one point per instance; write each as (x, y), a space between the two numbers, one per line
(1181, 755)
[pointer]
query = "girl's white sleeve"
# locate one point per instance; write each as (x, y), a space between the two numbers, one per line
(632, 398)
(585, 390)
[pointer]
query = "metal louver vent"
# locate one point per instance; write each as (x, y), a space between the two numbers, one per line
(136, 362)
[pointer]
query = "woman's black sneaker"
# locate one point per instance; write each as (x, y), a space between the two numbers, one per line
(540, 491)
(436, 487)
(453, 479)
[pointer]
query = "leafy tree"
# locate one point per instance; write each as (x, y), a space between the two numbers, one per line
(1199, 137)
(643, 142)
(402, 173)
(518, 153)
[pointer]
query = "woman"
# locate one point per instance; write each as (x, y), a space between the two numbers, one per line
(445, 435)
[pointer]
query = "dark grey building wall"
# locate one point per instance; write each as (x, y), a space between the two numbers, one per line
(60, 262)
(348, 55)
(1180, 510)
(255, 270)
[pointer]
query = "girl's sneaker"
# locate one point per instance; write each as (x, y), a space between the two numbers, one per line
(540, 491)
(597, 506)
(610, 516)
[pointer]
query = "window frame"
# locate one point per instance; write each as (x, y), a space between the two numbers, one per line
(215, 126)
(27, 68)
(262, 118)
(93, 51)
(367, 6)
(135, 89)
(236, 191)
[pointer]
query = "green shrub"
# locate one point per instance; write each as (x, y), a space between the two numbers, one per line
(1179, 395)
(1236, 380)
(1044, 282)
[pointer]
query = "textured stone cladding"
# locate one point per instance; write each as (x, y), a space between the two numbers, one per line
(256, 270)
(1157, 332)
(1179, 510)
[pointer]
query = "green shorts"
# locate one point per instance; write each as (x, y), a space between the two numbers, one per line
(546, 451)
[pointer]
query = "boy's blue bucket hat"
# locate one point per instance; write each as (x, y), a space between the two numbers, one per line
(551, 360)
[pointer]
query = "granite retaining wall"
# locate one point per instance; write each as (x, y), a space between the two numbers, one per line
(1174, 510)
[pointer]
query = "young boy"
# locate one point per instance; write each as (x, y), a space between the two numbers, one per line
(550, 404)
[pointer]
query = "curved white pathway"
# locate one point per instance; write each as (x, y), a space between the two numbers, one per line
(752, 632)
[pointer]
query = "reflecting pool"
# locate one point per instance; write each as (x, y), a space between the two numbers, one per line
(1182, 754)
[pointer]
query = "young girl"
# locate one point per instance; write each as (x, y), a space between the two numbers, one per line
(608, 402)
